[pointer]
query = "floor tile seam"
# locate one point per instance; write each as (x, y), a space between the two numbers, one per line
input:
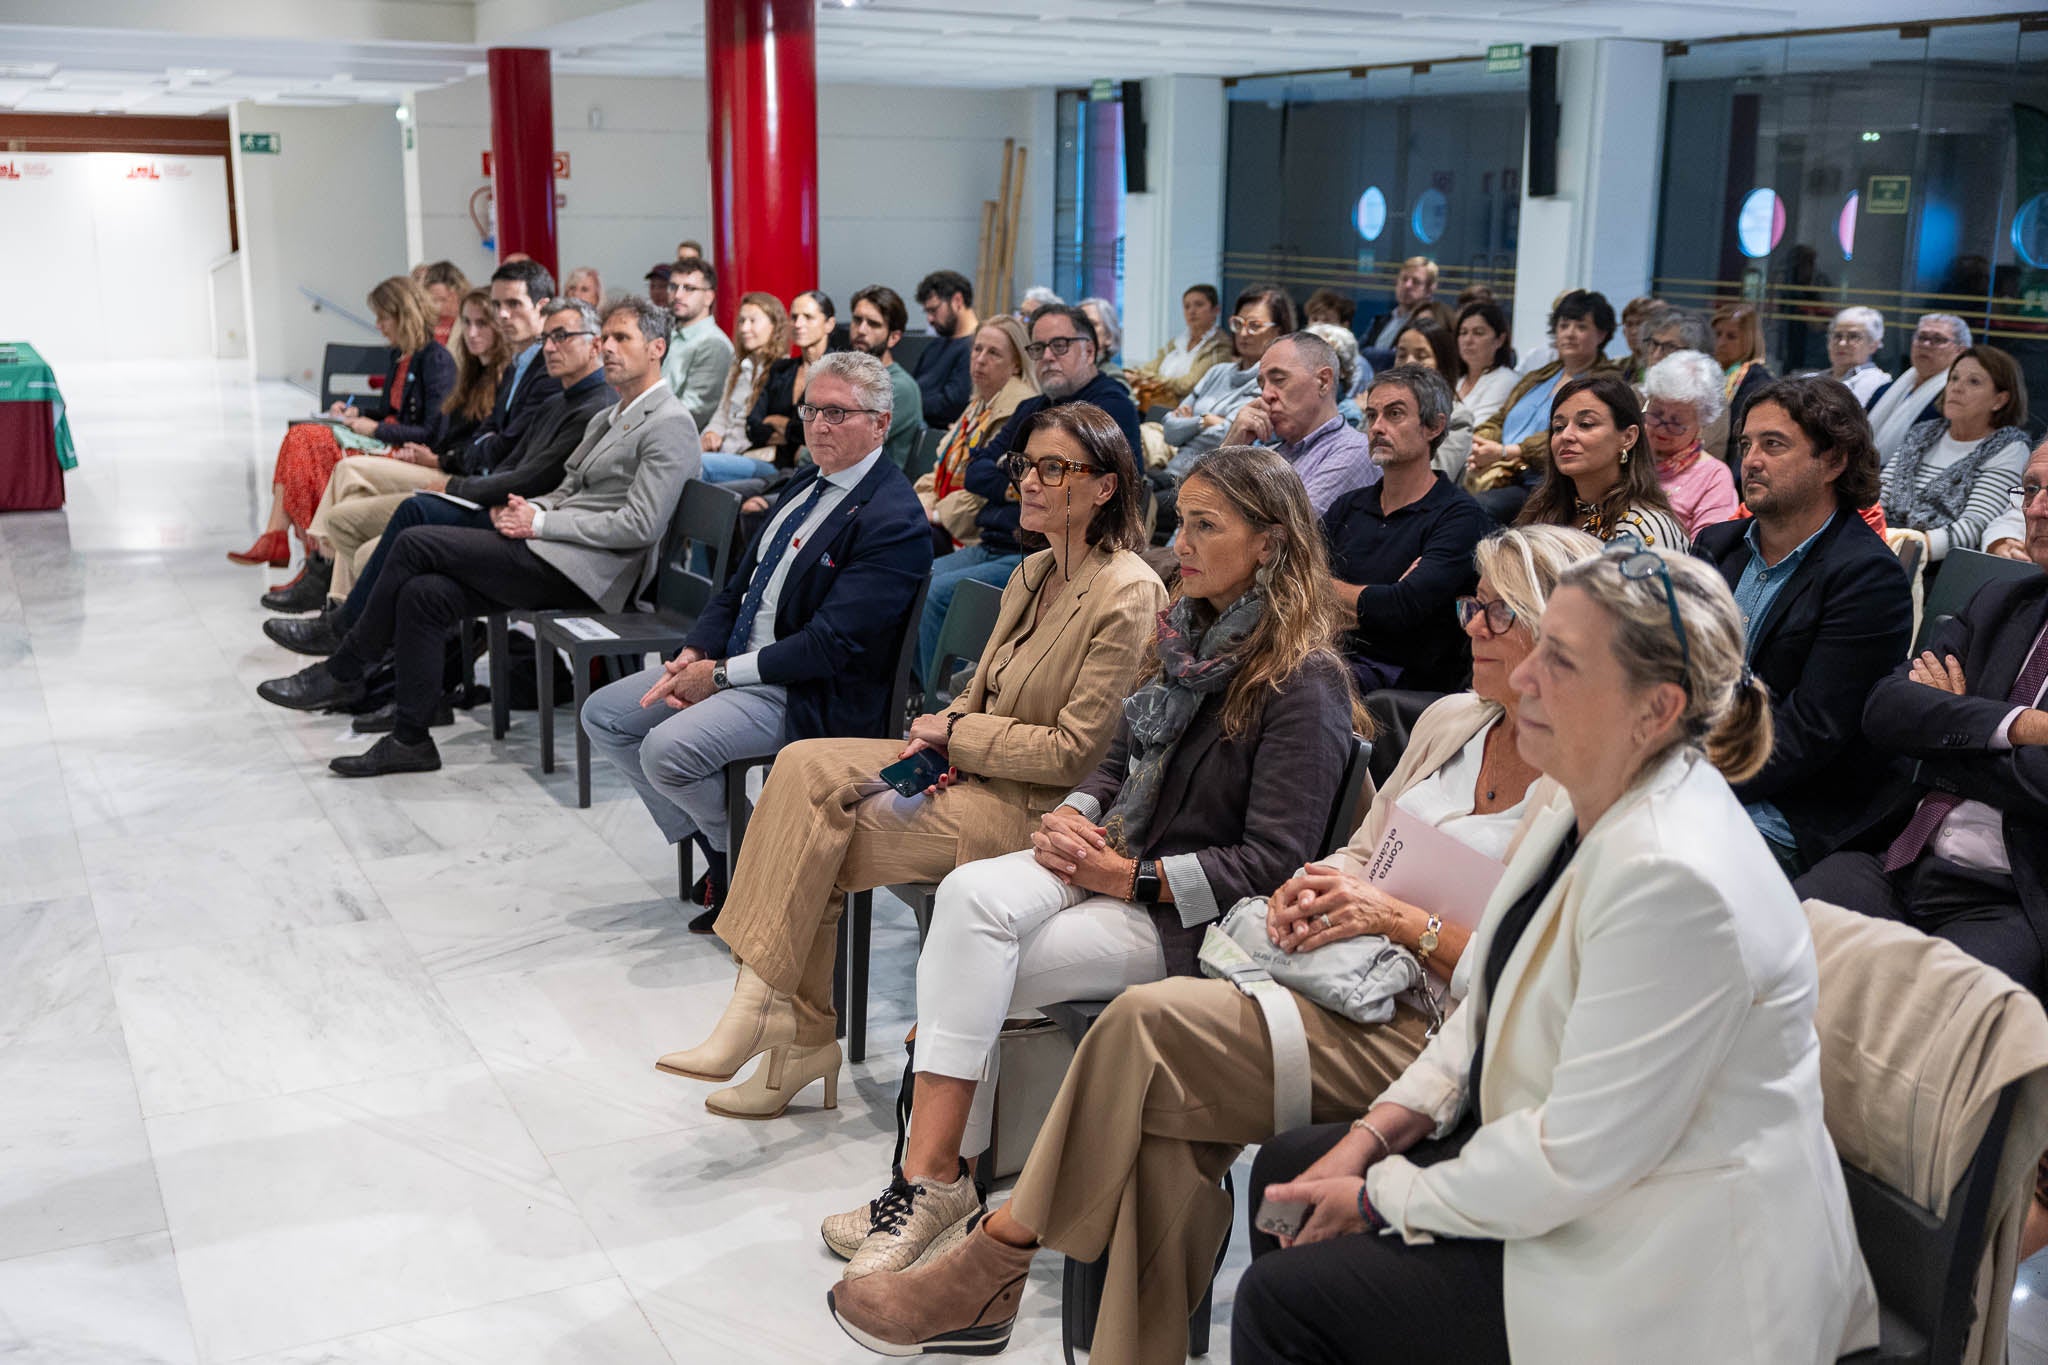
(150, 1117)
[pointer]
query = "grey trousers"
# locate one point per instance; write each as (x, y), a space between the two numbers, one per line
(676, 759)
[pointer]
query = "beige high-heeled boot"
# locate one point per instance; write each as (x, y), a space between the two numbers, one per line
(755, 1020)
(782, 1073)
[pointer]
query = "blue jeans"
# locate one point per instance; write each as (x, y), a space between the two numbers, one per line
(722, 468)
(973, 561)
(421, 509)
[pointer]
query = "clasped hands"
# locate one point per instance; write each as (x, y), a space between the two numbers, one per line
(685, 681)
(1076, 850)
(1319, 905)
(515, 519)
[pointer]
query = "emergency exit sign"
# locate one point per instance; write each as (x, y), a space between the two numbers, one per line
(260, 144)
(1503, 59)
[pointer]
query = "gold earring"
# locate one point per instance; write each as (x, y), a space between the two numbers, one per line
(1625, 452)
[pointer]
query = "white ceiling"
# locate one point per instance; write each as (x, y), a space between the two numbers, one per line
(197, 56)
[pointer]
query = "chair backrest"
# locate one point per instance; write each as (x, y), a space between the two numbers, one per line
(970, 620)
(349, 371)
(698, 547)
(1158, 412)
(1394, 712)
(1346, 810)
(1961, 574)
(925, 457)
(905, 685)
(909, 347)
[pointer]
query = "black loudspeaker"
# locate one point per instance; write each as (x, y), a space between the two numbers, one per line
(1134, 137)
(1543, 119)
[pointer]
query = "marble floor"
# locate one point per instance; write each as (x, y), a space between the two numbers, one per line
(298, 1070)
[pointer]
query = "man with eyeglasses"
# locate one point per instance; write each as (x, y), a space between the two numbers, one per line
(1826, 611)
(875, 325)
(699, 353)
(1915, 396)
(1063, 347)
(1970, 862)
(363, 530)
(591, 542)
(802, 640)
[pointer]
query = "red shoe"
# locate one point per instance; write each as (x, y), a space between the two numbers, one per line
(272, 547)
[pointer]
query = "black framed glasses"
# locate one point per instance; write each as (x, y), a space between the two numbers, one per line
(561, 338)
(1052, 471)
(1500, 617)
(1059, 346)
(1639, 565)
(831, 417)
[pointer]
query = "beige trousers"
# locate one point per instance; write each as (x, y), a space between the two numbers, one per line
(827, 826)
(361, 495)
(1170, 1084)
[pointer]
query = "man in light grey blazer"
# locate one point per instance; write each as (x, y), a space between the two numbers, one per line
(592, 542)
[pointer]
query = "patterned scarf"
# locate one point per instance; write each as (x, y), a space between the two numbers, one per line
(950, 473)
(1947, 494)
(1194, 663)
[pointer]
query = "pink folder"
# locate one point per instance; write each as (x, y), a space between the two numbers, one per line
(1422, 865)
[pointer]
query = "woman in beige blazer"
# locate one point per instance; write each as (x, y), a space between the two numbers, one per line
(1067, 647)
(1614, 1150)
(1177, 1076)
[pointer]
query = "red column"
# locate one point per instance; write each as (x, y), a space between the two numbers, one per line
(761, 59)
(523, 153)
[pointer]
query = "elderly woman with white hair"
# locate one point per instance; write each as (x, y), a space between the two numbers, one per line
(1682, 397)
(1109, 328)
(1853, 338)
(1346, 346)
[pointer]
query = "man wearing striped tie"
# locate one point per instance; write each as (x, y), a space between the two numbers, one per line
(1971, 864)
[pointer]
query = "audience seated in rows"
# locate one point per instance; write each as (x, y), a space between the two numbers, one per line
(1509, 452)
(1260, 316)
(1915, 396)
(416, 387)
(1169, 377)
(1954, 475)
(1296, 413)
(1826, 610)
(1739, 350)
(763, 332)
(1682, 397)
(1109, 332)
(1075, 622)
(1240, 728)
(942, 372)
(591, 542)
(1401, 549)
(1853, 341)
(800, 642)
(1599, 475)
(1486, 363)
(1002, 380)
(1414, 291)
(1968, 864)
(878, 320)
(1062, 348)
(584, 283)
(773, 432)
(1428, 343)
(699, 353)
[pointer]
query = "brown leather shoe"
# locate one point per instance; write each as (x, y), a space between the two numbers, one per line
(961, 1303)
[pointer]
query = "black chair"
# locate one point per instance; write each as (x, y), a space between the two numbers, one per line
(850, 978)
(909, 347)
(963, 635)
(1957, 580)
(707, 518)
(925, 457)
(1923, 1267)
(1394, 712)
(1081, 1281)
(356, 372)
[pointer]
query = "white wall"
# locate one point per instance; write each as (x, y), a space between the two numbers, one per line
(1173, 233)
(901, 177)
(326, 212)
(82, 233)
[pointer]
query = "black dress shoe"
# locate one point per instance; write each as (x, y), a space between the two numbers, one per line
(380, 721)
(712, 898)
(312, 688)
(316, 635)
(307, 591)
(387, 755)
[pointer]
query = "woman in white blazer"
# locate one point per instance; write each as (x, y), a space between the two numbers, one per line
(1614, 1151)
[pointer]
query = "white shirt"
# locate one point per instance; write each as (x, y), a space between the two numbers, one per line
(613, 418)
(1894, 414)
(1974, 833)
(1490, 393)
(744, 670)
(1180, 354)
(1446, 797)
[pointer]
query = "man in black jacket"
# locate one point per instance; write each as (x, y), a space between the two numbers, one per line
(1826, 610)
(942, 377)
(575, 373)
(1971, 863)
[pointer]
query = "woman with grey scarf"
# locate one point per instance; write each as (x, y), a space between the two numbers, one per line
(1217, 786)
(1951, 478)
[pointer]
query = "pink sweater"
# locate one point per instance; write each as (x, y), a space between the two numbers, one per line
(1701, 489)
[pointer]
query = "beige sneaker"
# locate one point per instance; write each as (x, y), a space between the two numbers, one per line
(910, 1221)
(962, 1303)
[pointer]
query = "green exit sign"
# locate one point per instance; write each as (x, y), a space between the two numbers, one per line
(260, 144)
(1503, 59)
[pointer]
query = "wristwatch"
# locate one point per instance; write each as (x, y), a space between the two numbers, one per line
(718, 678)
(1145, 890)
(1427, 943)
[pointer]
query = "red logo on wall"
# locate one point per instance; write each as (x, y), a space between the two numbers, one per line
(8, 172)
(24, 170)
(146, 171)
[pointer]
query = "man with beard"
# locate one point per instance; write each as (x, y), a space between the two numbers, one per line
(876, 326)
(948, 302)
(1825, 606)
(699, 354)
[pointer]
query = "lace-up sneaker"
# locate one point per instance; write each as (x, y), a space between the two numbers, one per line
(909, 1222)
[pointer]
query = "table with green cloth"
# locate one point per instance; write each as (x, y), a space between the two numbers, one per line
(35, 438)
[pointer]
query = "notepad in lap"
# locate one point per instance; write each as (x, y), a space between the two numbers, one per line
(1424, 866)
(450, 497)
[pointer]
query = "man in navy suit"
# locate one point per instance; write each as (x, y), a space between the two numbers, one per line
(802, 641)
(1971, 863)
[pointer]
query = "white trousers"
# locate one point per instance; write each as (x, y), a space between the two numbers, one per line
(1007, 936)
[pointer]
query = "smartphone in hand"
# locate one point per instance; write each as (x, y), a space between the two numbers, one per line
(913, 775)
(1281, 1217)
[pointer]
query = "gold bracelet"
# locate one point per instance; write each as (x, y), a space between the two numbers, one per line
(1365, 1122)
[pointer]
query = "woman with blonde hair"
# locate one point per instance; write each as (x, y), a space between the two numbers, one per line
(761, 328)
(1215, 788)
(421, 377)
(446, 286)
(1177, 1077)
(1739, 350)
(1002, 380)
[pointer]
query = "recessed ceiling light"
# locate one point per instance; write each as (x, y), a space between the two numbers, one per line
(845, 4)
